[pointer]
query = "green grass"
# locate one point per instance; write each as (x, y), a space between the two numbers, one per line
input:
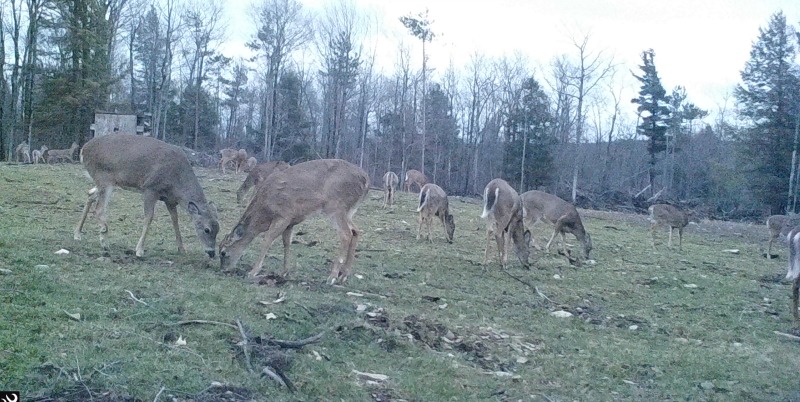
(638, 333)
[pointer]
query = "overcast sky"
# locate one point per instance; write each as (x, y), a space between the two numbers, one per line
(699, 44)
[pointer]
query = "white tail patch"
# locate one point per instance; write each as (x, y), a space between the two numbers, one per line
(92, 190)
(423, 198)
(794, 255)
(486, 210)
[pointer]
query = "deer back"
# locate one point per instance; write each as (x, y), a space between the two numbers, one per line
(390, 180)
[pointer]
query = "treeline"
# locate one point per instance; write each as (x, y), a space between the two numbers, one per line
(312, 90)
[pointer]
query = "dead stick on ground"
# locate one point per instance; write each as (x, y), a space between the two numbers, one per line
(201, 322)
(269, 373)
(361, 291)
(790, 336)
(158, 395)
(245, 346)
(538, 292)
(296, 344)
(134, 297)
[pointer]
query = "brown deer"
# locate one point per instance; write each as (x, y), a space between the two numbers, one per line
(159, 171)
(332, 187)
(668, 215)
(38, 154)
(24, 150)
(540, 206)
(415, 177)
(251, 163)
(776, 224)
(228, 155)
(390, 182)
(433, 202)
(257, 175)
(502, 210)
(55, 155)
(793, 273)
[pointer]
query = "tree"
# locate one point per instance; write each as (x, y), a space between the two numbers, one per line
(420, 27)
(654, 111)
(767, 99)
(527, 158)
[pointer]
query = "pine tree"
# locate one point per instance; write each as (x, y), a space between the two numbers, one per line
(768, 101)
(654, 111)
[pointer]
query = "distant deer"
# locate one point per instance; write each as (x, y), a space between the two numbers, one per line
(159, 171)
(390, 182)
(55, 155)
(415, 177)
(668, 215)
(228, 155)
(251, 163)
(241, 160)
(331, 186)
(38, 154)
(433, 202)
(540, 206)
(24, 150)
(257, 175)
(502, 210)
(793, 273)
(776, 224)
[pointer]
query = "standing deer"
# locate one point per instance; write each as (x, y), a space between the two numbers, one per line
(776, 224)
(159, 171)
(415, 177)
(390, 182)
(331, 186)
(433, 202)
(241, 160)
(24, 150)
(793, 273)
(668, 215)
(502, 210)
(38, 154)
(62, 154)
(540, 206)
(251, 163)
(257, 175)
(228, 155)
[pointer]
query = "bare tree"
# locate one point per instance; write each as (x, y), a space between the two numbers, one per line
(420, 27)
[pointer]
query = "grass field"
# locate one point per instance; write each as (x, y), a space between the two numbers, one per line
(667, 325)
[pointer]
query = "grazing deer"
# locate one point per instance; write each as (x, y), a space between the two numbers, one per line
(793, 273)
(62, 154)
(228, 155)
(331, 186)
(251, 163)
(433, 202)
(241, 160)
(25, 150)
(776, 225)
(540, 206)
(502, 210)
(390, 182)
(159, 171)
(38, 154)
(668, 215)
(257, 175)
(415, 177)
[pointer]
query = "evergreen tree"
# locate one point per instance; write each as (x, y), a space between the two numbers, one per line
(527, 157)
(768, 101)
(653, 110)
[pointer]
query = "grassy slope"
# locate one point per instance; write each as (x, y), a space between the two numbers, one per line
(714, 341)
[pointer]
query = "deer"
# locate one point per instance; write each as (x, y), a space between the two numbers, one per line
(433, 202)
(538, 206)
(390, 182)
(415, 177)
(251, 163)
(502, 210)
(241, 160)
(24, 150)
(159, 171)
(257, 175)
(668, 215)
(286, 198)
(793, 272)
(228, 155)
(38, 154)
(776, 224)
(62, 154)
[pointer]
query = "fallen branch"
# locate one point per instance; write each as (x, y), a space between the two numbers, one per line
(296, 344)
(158, 395)
(789, 336)
(361, 292)
(244, 345)
(186, 322)
(271, 374)
(136, 299)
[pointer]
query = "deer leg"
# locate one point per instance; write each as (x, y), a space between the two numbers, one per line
(345, 231)
(149, 208)
(670, 237)
(430, 232)
(489, 234)
(275, 229)
(173, 214)
(680, 239)
(653, 226)
(419, 227)
(287, 242)
(500, 239)
(91, 198)
(351, 253)
(769, 247)
(103, 197)
(795, 294)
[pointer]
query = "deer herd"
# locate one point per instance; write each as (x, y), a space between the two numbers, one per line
(285, 196)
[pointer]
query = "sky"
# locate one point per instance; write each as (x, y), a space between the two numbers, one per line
(701, 45)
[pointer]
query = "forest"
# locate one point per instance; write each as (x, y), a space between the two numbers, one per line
(312, 90)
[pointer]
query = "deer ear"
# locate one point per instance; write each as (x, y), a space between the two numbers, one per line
(212, 207)
(193, 209)
(527, 236)
(238, 231)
